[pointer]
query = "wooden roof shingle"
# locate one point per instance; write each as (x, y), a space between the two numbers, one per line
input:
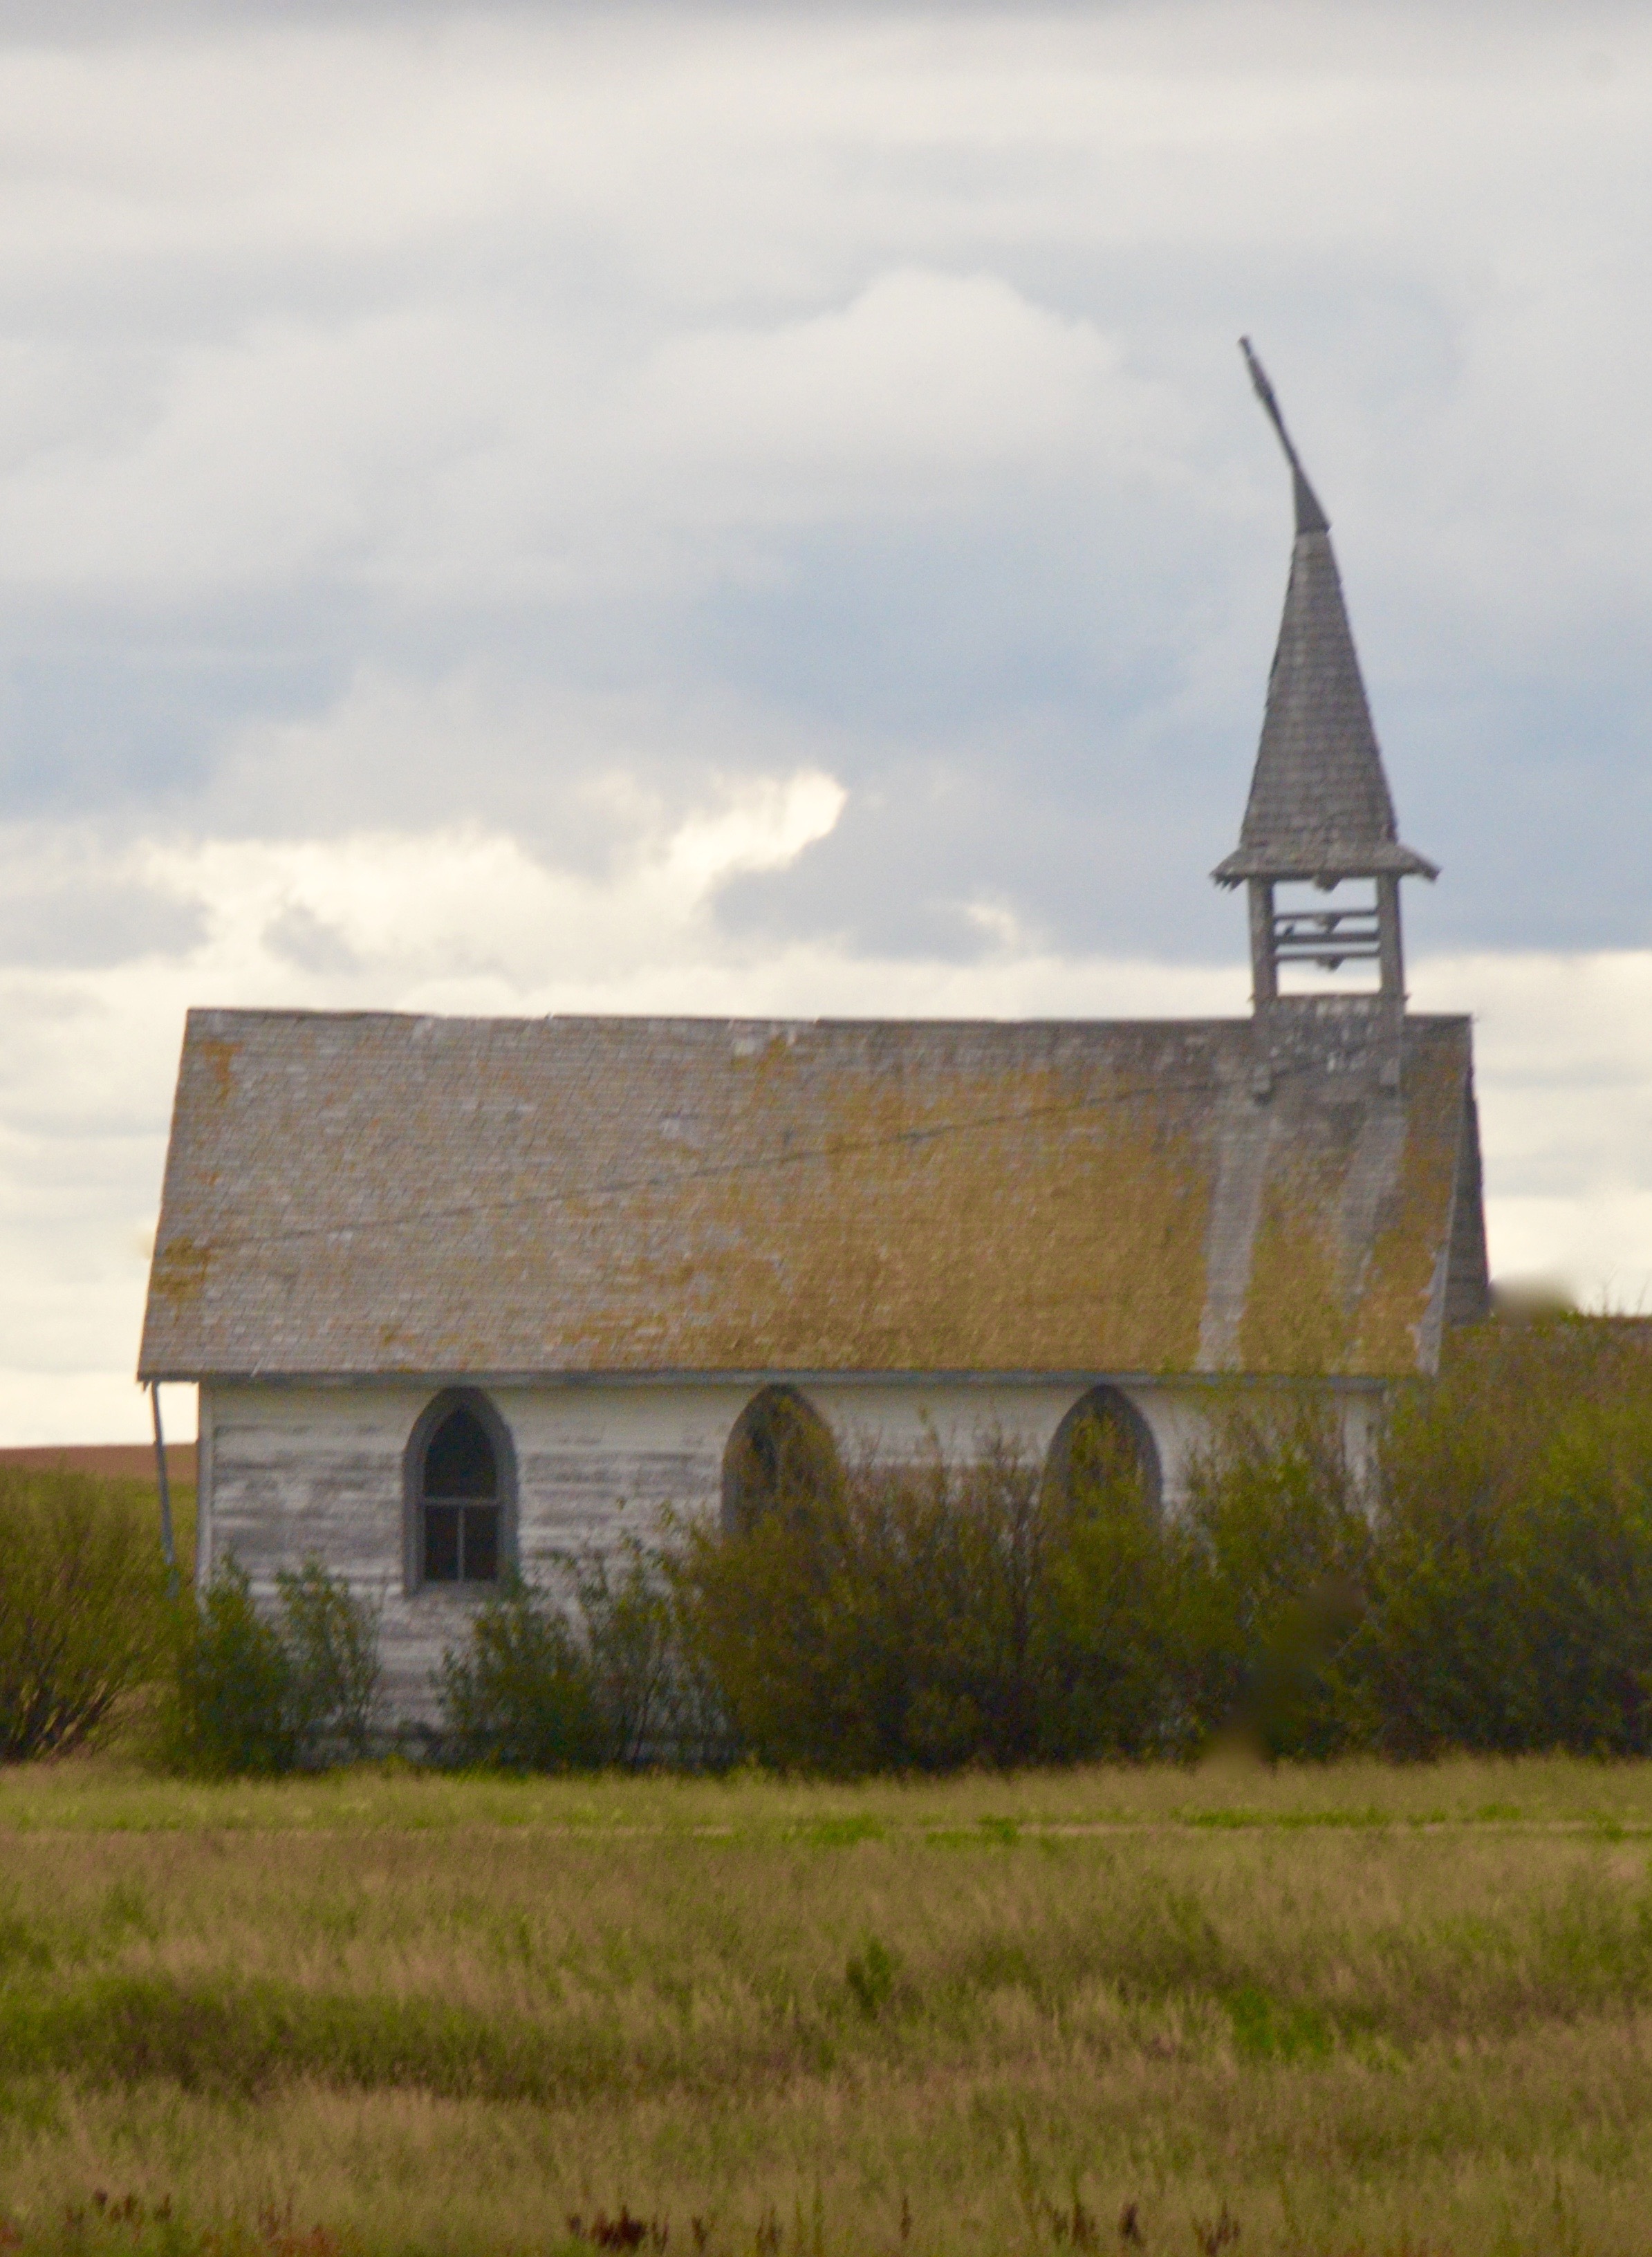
(369, 1194)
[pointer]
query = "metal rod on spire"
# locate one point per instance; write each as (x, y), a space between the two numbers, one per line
(1310, 518)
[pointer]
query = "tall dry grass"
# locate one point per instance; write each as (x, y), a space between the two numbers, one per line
(439, 2013)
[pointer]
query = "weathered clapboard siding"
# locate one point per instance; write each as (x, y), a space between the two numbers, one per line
(294, 1472)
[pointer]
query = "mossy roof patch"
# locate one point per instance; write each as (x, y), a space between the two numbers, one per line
(361, 1194)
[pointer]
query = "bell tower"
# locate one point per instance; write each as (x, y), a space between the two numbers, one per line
(1320, 814)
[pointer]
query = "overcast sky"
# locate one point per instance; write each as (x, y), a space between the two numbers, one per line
(760, 510)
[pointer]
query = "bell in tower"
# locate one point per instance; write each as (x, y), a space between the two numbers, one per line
(1319, 814)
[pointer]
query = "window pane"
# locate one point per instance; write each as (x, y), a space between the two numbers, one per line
(481, 1544)
(442, 1543)
(459, 1461)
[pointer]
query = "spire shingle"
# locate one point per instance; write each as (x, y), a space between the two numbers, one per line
(1319, 805)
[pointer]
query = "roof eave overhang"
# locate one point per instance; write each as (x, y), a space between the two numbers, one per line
(1321, 863)
(1077, 1375)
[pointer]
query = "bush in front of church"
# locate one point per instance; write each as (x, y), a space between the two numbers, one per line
(1482, 1581)
(329, 1636)
(593, 1673)
(1511, 1595)
(1483, 1585)
(522, 1695)
(1274, 1584)
(249, 1695)
(227, 1704)
(917, 1615)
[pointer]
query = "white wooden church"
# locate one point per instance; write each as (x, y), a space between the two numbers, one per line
(462, 1294)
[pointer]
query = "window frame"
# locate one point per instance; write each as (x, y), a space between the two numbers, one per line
(485, 1412)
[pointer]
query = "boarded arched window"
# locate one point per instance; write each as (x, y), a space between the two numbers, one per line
(461, 1491)
(780, 1457)
(1104, 1443)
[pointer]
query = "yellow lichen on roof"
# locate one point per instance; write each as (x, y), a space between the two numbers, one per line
(927, 1229)
(1297, 1317)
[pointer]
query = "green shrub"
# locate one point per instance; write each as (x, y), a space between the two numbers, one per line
(654, 1699)
(1512, 1604)
(522, 1696)
(918, 1615)
(1484, 1583)
(80, 1606)
(331, 1642)
(248, 1695)
(1107, 1609)
(1490, 1590)
(1275, 1583)
(228, 1707)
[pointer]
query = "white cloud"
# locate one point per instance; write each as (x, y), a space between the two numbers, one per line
(924, 381)
(767, 826)
(469, 905)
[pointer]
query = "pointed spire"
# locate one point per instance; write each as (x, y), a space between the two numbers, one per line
(1319, 806)
(1310, 518)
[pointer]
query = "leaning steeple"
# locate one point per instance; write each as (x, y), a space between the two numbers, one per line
(1320, 809)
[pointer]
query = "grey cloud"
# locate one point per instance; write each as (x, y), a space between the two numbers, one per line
(301, 938)
(88, 923)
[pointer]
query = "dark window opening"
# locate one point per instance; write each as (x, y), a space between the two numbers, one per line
(460, 1508)
(1105, 1446)
(780, 1457)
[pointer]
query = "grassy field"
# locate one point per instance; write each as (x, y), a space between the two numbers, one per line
(1357, 2009)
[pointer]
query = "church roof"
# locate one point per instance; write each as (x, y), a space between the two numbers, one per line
(363, 1195)
(1319, 805)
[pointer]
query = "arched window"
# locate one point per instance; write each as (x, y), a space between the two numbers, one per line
(780, 1456)
(460, 1493)
(1104, 1435)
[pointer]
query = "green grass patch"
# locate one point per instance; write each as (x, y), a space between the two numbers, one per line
(843, 1833)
